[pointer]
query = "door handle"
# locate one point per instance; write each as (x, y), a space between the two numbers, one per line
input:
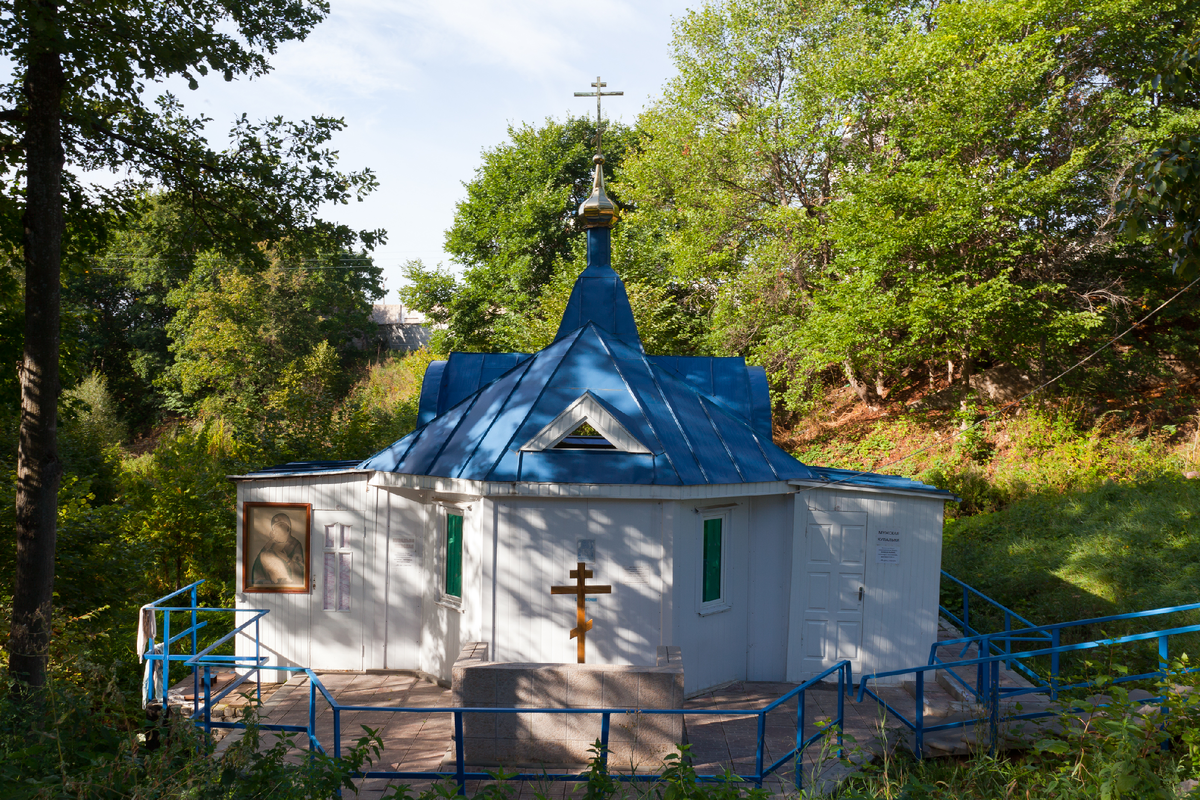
(860, 594)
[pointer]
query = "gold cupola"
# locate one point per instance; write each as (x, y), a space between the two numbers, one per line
(597, 211)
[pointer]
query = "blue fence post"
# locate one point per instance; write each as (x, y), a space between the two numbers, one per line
(1163, 655)
(337, 730)
(994, 706)
(257, 660)
(983, 649)
(758, 756)
(207, 704)
(166, 654)
(312, 714)
(845, 679)
(920, 726)
(1007, 640)
(459, 769)
(604, 724)
(1055, 640)
(195, 647)
(148, 684)
(800, 735)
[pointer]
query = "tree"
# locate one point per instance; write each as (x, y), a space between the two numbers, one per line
(516, 237)
(875, 190)
(515, 227)
(1164, 196)
(238, 330)
(77, 102)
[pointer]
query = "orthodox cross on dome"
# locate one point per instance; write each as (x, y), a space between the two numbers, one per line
(599, 86)
(581, 590)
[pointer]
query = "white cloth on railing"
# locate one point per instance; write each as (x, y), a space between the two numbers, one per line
(147, 630)
(153, 672)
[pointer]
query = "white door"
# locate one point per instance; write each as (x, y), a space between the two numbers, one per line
(337, 614)
(832, 586)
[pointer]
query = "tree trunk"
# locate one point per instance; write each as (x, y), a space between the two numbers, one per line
(966, 396)
(38, 466)
(863, 388)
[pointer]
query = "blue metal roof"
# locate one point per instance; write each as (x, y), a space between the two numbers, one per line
(736, 387)
(303, 468)
(874, 480)
(447, 383)
(692, 438)
(702, 420)
(599, 295)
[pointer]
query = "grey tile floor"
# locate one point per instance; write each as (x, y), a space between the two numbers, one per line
(424, 741)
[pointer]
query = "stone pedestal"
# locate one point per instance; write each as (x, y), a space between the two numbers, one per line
(544, 740)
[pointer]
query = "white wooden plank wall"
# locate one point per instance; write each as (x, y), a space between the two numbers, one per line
(444, 627)
(769, 589)
(403, 517)
(900, 600)
(713, 645)
(285, 633)
(537, 548)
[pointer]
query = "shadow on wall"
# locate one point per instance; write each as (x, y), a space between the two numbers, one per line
(540, 550)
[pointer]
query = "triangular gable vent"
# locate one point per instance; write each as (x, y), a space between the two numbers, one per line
(586, 410)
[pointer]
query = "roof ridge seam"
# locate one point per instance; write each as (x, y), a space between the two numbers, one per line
(462, 417)
(645, 413)
(496, 416)
(671, 409)
(758, 443)
(545, 385)
(704, 403)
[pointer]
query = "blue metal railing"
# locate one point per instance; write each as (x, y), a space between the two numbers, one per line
(165, 657)
(203, 661)
(989, 691)
(1053, 634)
(964, 625)
(461, 774)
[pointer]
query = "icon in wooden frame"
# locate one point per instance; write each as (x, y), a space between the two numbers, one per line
(276, 547)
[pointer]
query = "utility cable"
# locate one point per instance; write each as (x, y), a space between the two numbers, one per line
(1023, 397)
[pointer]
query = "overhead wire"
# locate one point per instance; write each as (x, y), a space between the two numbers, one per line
(1019, 400)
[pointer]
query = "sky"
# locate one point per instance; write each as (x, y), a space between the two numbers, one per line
(424, 86)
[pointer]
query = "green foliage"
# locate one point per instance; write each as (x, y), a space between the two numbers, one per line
(131, 301)
(180, 511)
(521, 248)
(1114, 747)
(272, 176)
(1108, 549)
(871, 190)
(1163, 198)
(89, 745)
(516, 225)
(239, 332)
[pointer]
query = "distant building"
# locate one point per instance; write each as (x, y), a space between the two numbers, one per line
(402, 328)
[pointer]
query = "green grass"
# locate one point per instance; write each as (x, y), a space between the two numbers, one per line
(1109, 549)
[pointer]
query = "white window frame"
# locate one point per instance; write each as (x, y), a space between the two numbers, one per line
(338, 543)
(722, 603)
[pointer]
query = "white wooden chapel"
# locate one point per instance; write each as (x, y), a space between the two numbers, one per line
(712, 537)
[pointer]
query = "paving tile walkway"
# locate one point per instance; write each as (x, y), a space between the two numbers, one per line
(419, 741)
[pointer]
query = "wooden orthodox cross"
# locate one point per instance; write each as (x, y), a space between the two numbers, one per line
(580, 590)
(599, 84)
